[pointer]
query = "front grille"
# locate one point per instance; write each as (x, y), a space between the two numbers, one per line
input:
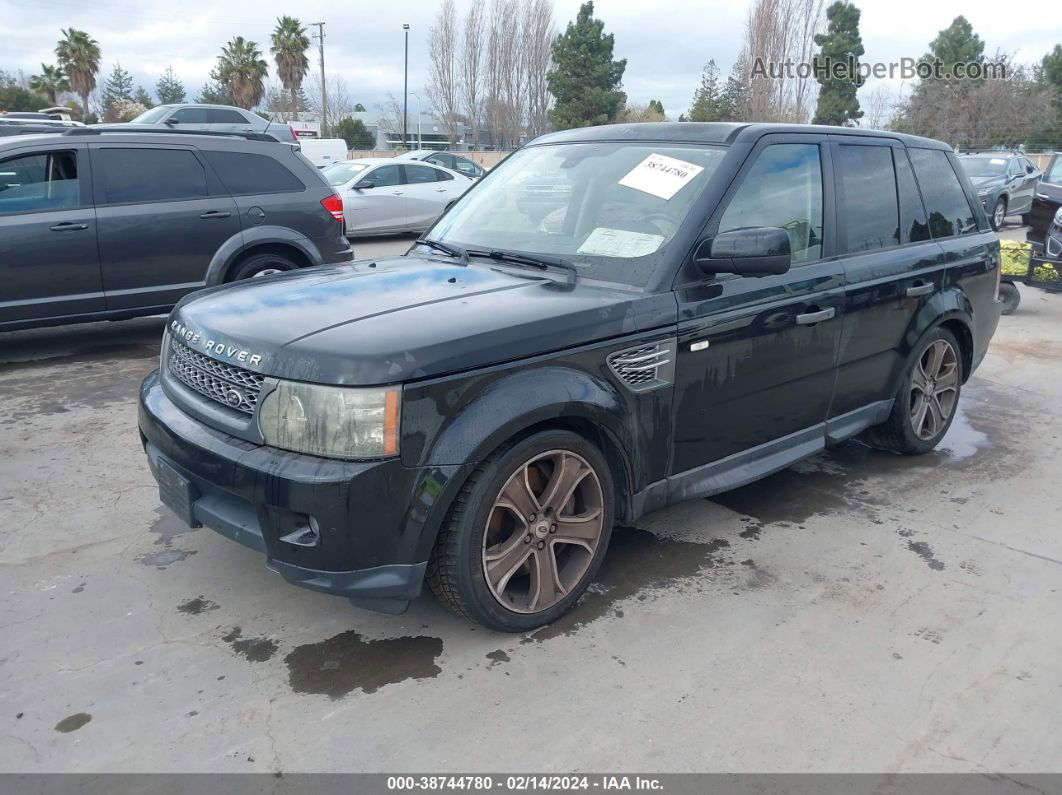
(645, 367)
(232, 387)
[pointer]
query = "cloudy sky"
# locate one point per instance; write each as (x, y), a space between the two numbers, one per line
(665, 42)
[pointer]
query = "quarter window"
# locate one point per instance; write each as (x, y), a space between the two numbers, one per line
(871, 206)
(783, 189)
(147, 175)
(243, 174)
(45, 181)
(949, 211)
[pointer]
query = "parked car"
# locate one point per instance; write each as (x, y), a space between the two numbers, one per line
(218, 118)
(719, 302)
(27, 123)
(1045, 218)
(384, 196)
(462, 165)
(1005, 184)
(98, 224)
(324, 152)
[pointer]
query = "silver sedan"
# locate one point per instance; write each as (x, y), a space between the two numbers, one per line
(382, 196)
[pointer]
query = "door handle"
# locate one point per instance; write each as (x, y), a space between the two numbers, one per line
(440, 190)
(920, 289)
(215, 214)
(67, 226)
(396, 193)
(811, 318)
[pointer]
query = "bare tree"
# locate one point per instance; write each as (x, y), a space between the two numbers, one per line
(537, 45)
(494, 105)
(391, 116)
(471, 68)
(443, 82)
(781, 33)
(878, 105)
(339, 104)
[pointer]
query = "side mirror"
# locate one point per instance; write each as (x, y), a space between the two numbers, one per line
(171, 121)
(365, 184)
(752, 251)
(1030, 170)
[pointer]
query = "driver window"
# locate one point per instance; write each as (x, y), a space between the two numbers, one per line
(383, 177)
(784, 189)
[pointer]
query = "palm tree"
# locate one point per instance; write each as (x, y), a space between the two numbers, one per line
(79, 58)
(50, 82)
(290, 43)
(242, 72)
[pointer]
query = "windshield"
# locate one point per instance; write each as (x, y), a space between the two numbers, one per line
(609, 208)
(984, 166)
(339, 173)
(151, 116)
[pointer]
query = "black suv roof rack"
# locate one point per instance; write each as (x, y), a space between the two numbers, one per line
(98, 130)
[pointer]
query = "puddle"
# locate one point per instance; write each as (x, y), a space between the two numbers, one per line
(347, 662)
(792, 495)
(73, 722)
(194, 607)
(637, 561)
(925, 552)
(167, 527)
(254, 649)
(496, 657)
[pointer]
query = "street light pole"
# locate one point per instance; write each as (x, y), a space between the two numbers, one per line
(324, 90)
(405, 90)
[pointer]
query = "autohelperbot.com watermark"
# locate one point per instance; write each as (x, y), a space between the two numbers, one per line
(904, 69)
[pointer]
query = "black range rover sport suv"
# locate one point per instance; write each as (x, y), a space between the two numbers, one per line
(708, 304)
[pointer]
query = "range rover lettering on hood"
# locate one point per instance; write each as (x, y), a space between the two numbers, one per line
(195, 339)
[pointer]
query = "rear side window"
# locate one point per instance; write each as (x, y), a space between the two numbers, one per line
(913, 226)
(1053, 175)
(225, 116)
(446, 161)
(466, 166)
(442, 176)
(46, 181)
(949, 211)
(419, 174)
(149, 175)
(243, 173)
(784, 189)
(872, 210)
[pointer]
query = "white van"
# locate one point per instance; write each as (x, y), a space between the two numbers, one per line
(324, 151)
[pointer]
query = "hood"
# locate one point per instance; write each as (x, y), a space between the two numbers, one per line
(981, 183)
(405, 318)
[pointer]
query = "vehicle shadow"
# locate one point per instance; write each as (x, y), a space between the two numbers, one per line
(127, 339)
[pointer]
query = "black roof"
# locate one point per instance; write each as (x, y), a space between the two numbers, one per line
(718, 133)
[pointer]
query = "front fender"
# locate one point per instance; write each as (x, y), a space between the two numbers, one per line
(256, 236)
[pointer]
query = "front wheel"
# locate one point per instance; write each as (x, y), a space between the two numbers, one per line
(527, 533)
(1009, 296)
(999, 214)
(927, 398)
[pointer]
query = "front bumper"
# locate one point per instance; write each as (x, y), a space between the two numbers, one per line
(357, 529)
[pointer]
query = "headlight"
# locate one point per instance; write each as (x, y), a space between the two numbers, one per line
(331, 421)
(983, 191)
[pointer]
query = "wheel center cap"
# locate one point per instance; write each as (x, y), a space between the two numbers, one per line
(542, 529)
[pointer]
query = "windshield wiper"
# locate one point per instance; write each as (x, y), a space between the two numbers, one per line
(445, 248)
(527, 260)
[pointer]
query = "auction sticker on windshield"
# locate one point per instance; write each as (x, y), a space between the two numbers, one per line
(660, 175)
(606, 242)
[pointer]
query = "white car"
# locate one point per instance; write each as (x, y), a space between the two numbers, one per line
(383, 196)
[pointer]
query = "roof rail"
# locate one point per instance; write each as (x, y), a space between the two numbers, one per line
(99, 129)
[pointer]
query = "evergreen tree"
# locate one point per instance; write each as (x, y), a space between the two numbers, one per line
(142, 97)
(119, 86)
(170, 89)
(735, 92)
(707, 98)
(656, 106)
(584, 80)
(840, 48)
(355, 133)
(213, 93)
(957, 43)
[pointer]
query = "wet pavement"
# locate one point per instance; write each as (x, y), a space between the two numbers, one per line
(859, 611)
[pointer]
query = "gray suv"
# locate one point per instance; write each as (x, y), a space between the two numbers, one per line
(218, 118)
(104, 225)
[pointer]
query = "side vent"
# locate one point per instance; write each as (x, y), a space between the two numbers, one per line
(645, 367)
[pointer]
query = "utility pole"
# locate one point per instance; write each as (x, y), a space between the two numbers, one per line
(319, 35)
(405, 90)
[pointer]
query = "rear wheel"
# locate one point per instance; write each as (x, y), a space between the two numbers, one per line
(257, 265)
(526, 534)
(1009, 295)
(926, 401)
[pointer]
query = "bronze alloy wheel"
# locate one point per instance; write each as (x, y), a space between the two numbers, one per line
(542, 531)
(934, 388)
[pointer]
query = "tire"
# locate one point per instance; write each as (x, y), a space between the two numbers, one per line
(486, 561)
(258, 265)
(899, 432)
(1009, 295)
(999, 213)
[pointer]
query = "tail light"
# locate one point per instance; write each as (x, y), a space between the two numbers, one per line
(334, 205)
(999, 276)
(294, 135)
